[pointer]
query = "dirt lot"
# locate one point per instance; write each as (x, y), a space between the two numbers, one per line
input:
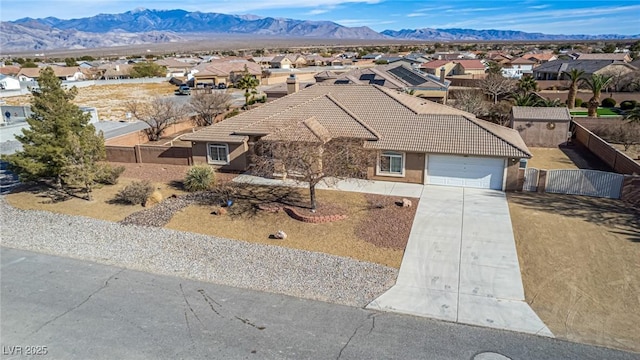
(109, 99)
(579, 258)
(550, 158)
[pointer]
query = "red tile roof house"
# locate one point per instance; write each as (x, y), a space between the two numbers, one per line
(416, 140)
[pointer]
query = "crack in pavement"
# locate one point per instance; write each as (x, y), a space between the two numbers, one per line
(106, 283)
(190, 308)
(209, 300)
(371, 316)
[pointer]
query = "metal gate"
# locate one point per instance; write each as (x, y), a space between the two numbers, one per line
(530, 179)
(584, 182)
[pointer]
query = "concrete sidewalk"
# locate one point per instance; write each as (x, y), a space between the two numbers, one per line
(461, 263)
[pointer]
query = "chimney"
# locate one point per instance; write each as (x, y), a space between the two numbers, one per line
(292, 84)
(117, 67)
(442, 71)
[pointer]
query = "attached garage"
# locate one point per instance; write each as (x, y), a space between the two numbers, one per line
(465, 171)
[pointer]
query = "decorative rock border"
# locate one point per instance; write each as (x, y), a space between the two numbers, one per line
(314, 219)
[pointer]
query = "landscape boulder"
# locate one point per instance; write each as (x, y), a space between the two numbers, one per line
(406, 203)
(280, 235)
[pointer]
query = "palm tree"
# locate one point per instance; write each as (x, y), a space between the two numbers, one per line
(549, 103)
(633, 115)
(596, 83)
(248, 83)
(574, 77)
(524, 99)
(527, 84)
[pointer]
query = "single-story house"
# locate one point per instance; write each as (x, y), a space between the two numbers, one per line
(416, 140)
(225, 71)
(454, 67)
(605, 56)
(116, 71)
(540, 58)
(541, 126)
(288, 61)
(556, 70)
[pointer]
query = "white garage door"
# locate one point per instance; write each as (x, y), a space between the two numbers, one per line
(474, 172)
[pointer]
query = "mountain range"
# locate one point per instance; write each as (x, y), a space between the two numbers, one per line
(143, 26)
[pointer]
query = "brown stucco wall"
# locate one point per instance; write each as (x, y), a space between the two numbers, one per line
(238, 160)
(536, 134)
(413, 172)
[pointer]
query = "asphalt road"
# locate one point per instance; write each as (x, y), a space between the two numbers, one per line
(83, 310)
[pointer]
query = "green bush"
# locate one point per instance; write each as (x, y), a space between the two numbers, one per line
(233, 113)
(608, 102)
(578, 102)
(135, 193)
(628, 104)
(199, 178)
(108, 175)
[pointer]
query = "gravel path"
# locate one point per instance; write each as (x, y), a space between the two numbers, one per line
(274, 269)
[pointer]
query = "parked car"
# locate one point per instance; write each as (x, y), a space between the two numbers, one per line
(183, 90)
(222, 86)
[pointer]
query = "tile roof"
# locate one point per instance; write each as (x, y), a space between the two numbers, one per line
(435, 64)
(388, 119)
(540, 57)
(558, 66)
(57, 70)
(522, 60)
(173, 63)
(9, 70)
(540, 113)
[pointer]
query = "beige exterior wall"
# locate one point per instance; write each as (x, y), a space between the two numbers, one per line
(413, 170)
(537, 133)
(238, 160)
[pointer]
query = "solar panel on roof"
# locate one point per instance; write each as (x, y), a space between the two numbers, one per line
(377, 82)
(342, 82)
(407, 75)
(367, 77)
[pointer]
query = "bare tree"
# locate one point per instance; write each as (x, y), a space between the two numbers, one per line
(496, 85)
(624, 133)
(470, 101)
(500, 113)
(159, 114)
(313, 162)
(208, 106)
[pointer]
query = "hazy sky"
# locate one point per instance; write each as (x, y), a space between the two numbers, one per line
(550, 17)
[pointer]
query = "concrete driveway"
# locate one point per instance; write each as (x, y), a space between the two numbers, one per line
(461, 263)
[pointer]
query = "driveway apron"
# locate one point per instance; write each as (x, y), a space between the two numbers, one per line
(461, 263)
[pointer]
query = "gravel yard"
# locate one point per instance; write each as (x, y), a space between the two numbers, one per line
(261, 267)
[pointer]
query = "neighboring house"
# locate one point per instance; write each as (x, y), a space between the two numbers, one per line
(372, 56)
(518, 67)
(264, 61)
(540, 58)
(416, 141)
(175, 68)
(116, 71)
(419, 57)
(73, 73)
(556, 70)
(400, 77)
(541, 126)
(9, 83)
(286, 88)
(288, 61)
(225, 71)
(613, 56)
(454, 67)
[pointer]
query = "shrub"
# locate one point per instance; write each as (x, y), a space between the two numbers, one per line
(135, 193)
(584, 105)
(608, 102)
(233, 113)
(199, 178)
(578, 102)
(628, 104)
(108, 175)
